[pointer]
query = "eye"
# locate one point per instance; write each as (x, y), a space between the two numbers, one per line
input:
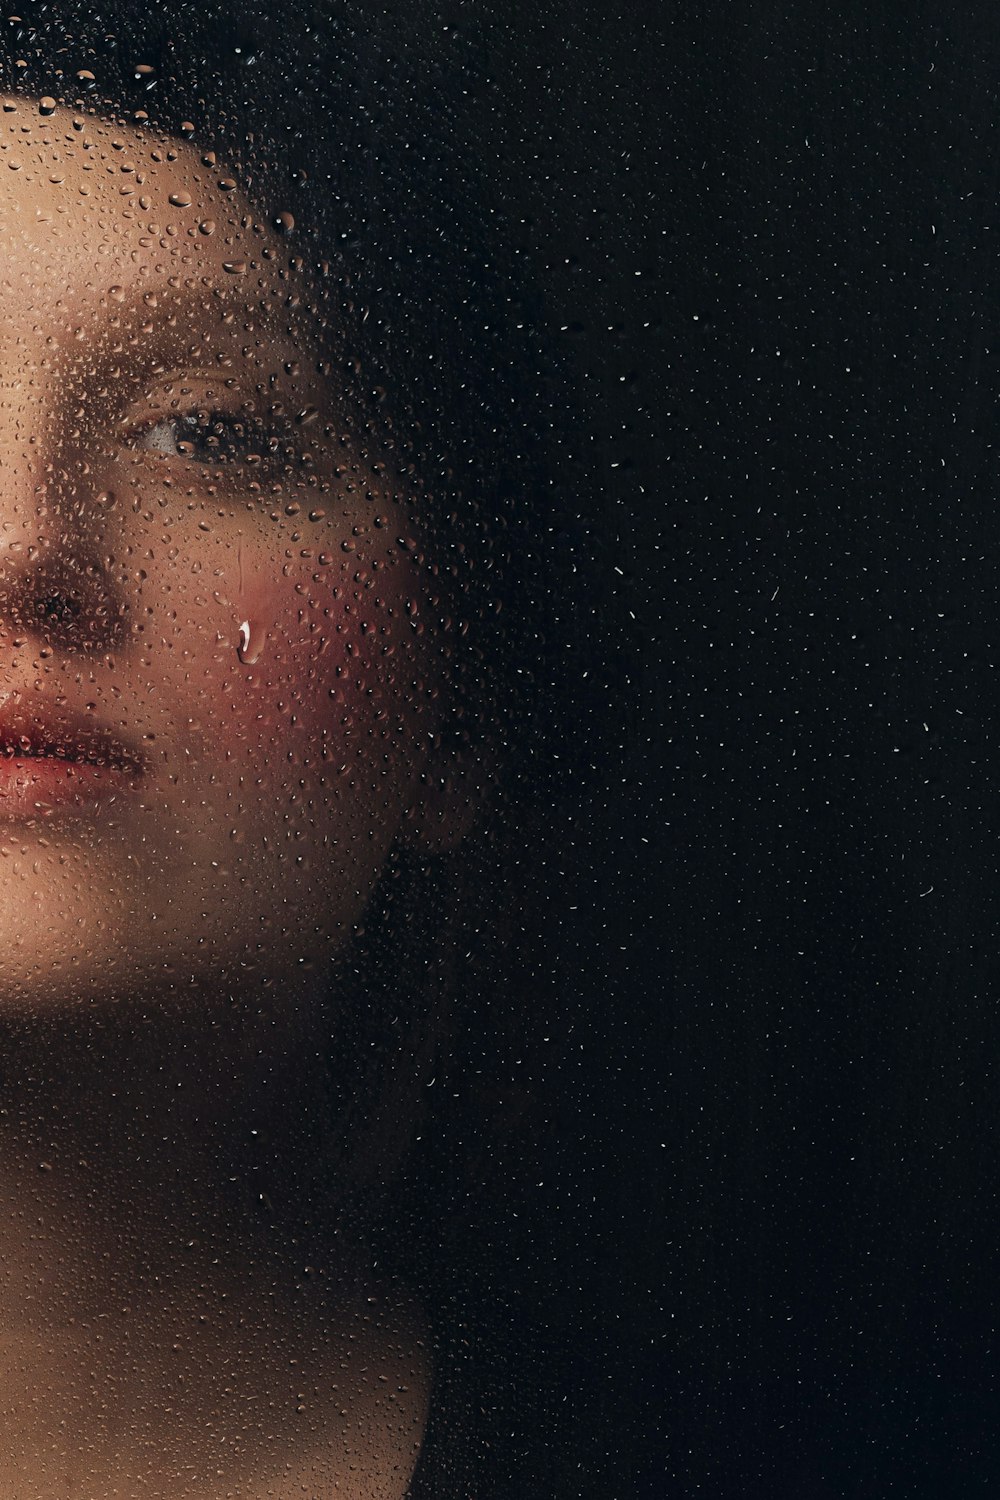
(214, 438)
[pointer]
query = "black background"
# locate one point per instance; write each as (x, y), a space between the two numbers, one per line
(794, 1037)
(805, 1016)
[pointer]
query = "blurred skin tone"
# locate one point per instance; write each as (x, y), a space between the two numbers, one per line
(216, 719)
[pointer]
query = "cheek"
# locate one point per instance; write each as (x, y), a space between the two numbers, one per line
(305, 665)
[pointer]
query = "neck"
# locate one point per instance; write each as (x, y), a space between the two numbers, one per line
(161, 1236)
(198, 1121)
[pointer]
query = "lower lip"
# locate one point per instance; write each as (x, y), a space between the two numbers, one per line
(33, 786)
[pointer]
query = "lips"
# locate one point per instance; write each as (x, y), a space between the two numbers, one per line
(54, 761)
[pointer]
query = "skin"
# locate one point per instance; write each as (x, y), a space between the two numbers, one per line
(162, 949)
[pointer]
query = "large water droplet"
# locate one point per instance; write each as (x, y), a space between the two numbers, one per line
(250, 643)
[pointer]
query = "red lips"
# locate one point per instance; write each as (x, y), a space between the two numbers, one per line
(51, 760)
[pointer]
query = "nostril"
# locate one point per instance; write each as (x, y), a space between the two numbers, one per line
(57, 609)
(68, 604)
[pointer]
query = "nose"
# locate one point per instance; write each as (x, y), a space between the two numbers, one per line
(60, 597)
(58, 584)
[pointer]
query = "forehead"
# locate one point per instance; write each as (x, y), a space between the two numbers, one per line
(93, 212)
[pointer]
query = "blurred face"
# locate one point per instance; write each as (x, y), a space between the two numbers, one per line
(211, 687)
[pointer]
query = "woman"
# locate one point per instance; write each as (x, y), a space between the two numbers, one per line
(250, 608)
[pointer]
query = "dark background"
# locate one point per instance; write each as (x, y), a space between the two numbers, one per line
(798, 1148)
(775, 236)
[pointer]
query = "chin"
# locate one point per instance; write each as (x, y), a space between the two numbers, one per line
(75, 929)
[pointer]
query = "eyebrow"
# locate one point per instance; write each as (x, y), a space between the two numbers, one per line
(204, 295)
(188, 315)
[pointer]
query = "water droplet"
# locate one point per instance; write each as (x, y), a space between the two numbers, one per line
(250, 643)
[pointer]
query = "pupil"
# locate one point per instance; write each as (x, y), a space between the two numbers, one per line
(57, 608)
(216, 435)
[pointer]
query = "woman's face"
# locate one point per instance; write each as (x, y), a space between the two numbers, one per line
(214, 709)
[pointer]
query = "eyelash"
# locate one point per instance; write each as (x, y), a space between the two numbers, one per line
(212, 438)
